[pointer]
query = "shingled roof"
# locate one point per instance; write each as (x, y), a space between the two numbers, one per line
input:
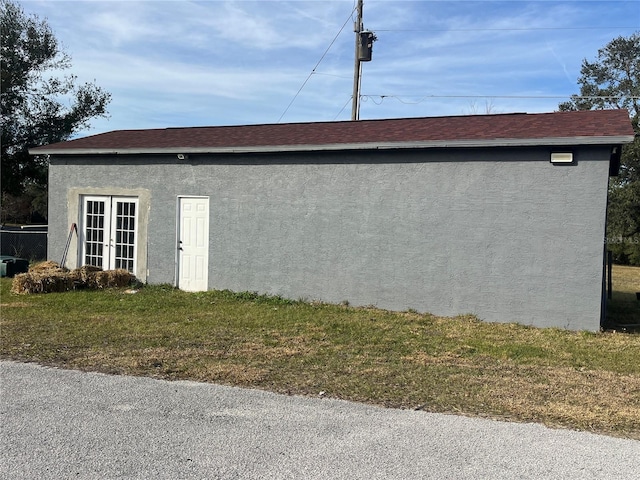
(520, 129)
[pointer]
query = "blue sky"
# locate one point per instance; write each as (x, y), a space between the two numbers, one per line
(186, 63)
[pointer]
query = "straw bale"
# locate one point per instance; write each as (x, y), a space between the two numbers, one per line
(41, 282)
(55, 279)
(20, 284)
(85, 276)
(113, 278)
(47, 266)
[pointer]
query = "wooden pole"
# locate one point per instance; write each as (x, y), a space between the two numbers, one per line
(357, 68)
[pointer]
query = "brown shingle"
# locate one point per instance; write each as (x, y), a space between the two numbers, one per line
(595, 123)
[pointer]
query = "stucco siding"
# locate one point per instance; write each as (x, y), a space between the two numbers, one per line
(501, 233)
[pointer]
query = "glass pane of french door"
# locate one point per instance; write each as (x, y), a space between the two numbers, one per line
(94, 231)
(124, 221)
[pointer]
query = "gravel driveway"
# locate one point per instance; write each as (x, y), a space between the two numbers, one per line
(59, 424)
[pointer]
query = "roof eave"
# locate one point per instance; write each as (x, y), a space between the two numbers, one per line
(499, 142)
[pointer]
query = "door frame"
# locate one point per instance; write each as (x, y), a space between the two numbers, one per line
(109, 229)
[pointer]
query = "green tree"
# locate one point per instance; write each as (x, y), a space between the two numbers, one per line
(37, 105)
(613, 81)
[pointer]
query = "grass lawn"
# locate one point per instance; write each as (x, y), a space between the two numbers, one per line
(588, 381)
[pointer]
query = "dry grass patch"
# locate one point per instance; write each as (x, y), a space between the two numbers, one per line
(551, 394)
(626, 278)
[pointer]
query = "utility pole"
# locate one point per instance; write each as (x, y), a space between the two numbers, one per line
(364, 46)
(357, 68)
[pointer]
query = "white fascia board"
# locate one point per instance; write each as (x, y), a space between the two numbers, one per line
(499, 142)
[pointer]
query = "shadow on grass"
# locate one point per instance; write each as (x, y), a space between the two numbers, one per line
(623, 312)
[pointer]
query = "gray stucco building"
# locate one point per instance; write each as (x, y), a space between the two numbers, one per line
(502, 216)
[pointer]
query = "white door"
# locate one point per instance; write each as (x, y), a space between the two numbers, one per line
(193, 243)
(109, 229)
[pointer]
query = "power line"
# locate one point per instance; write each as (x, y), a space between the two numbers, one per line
(314, 68)
(343, 107)
(423, 98)
(523, 29)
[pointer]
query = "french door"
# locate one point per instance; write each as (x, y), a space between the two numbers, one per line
(109, 232)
